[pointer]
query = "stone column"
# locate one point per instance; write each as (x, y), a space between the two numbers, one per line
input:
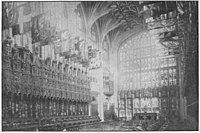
(180, 78)
(101, 95)
(114, 65)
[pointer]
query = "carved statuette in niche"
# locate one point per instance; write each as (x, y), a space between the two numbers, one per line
(6, 64)
(7, 53)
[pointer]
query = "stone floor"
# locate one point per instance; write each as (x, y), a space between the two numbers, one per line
(188, 125)
(110, 126)
(106, 126)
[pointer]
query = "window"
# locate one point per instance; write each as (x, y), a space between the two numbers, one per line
(146, 63)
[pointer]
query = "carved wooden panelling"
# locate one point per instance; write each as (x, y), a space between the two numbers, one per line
(25, 73)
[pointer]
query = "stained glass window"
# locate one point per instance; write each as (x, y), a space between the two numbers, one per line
(145, 63)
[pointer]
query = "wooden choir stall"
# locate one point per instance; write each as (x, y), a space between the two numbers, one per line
(42, 94)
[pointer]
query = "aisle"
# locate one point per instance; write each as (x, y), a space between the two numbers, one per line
(118, 126)
(104, 126)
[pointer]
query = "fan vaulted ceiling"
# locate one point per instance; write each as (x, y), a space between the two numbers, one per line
(116, 20)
